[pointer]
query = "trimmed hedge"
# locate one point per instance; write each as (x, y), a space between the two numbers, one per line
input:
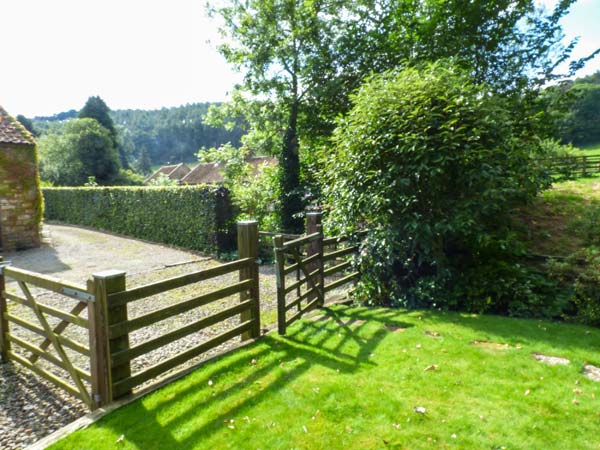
(195, 217)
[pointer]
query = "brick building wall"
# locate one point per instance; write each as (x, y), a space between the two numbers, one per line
(20, 201)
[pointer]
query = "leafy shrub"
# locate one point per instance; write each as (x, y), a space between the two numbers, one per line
(579, 274)
(194, 217)
(433, 164)
(255, 194)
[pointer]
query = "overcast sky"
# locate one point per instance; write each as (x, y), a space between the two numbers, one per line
(140, 53)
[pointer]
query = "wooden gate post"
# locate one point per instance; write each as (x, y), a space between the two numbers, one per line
(101, 316)
(313, 225)
(279, 273)
(4, 342)
(247, 236)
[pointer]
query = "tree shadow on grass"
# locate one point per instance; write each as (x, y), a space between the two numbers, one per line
(187, 413)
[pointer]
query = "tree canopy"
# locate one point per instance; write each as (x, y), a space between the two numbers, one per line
(81, 149)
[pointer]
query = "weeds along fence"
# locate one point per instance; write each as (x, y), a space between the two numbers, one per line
(100, 341)
(96, 366)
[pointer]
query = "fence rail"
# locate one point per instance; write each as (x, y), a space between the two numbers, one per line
(102, 369)
(574, 166)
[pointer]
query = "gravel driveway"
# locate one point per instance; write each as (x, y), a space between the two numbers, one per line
(31, 408)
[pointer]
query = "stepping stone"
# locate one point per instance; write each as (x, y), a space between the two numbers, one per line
(492, 345)
(592, 372)
(395, 328)
(551, 360)
(354, 322)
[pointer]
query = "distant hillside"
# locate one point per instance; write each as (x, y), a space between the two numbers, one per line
(166, 135)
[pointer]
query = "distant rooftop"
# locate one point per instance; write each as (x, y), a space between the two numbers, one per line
(12, 132)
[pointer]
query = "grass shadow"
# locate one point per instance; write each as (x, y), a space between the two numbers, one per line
(185, 414)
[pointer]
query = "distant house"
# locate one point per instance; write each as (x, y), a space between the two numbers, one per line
(20, 196)
(212, 173)
(173, 172)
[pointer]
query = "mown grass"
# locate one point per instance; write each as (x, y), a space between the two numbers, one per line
(353, 379)
(590, 150)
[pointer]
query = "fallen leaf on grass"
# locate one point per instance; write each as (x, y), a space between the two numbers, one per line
(431, 367)
(432, 333)
(419, 410)
(527, 392)
(121, 439)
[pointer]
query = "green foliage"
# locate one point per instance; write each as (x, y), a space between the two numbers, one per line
(163, 180)
(581, 126)
(580, 276)
(95, 108)
(80, 149)
(194, 217)
(254, 193)
(433, 164)
(158, 136)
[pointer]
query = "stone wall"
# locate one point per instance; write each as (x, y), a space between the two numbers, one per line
(20, 198)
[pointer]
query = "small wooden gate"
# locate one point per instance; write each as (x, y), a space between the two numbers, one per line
(306, 272)
(52, 349)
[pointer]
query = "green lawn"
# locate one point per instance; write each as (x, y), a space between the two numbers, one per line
(353, 379)
(590, 150)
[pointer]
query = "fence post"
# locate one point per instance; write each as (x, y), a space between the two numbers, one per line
(247, 235)
(4, 342)
(313, 225)
(101, 316)
(279, 266)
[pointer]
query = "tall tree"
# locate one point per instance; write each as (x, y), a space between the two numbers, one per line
(284, 48)
(96, 108)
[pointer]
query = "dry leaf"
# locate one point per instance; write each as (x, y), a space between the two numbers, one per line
(396, 426)
(431, 367)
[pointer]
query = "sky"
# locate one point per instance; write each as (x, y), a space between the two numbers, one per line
(142, 54)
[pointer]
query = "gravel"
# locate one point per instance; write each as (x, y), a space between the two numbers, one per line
(31, 408)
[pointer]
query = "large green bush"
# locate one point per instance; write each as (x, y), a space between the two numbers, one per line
(433, 164)
(194, 217)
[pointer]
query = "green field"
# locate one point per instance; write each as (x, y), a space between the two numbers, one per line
(358, 378)
(591, 149)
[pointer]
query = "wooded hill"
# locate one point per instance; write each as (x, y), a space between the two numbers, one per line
(165, 135)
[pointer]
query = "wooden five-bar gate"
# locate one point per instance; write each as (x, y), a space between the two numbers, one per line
(310, 267)
(39, 313)
(104, 354)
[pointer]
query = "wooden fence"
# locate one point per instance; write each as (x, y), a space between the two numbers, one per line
(96, 365)
(574, 166)
(106, 301)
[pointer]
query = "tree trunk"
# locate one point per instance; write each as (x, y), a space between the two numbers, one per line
(291, 199)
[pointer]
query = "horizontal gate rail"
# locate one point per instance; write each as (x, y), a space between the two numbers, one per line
(125, 327)
(125, 385)
(121, 298)
(119, 326)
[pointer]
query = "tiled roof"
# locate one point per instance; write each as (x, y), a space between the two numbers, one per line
(173, 171)
(211, 173)
(12, 132)
(204, 174)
